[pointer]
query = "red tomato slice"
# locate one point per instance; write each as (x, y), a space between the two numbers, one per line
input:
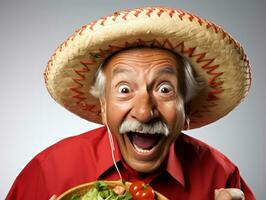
(141, 191)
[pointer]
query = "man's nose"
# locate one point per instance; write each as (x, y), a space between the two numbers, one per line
(144, 108)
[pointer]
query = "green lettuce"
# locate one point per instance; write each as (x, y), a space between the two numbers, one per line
(100, 191)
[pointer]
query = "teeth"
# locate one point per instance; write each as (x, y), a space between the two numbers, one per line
(140, 150)
(140, 131)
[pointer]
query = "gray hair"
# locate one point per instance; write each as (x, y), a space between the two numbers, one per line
(154, 127)
(191, 84)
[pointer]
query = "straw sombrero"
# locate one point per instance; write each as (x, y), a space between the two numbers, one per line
(213, 53)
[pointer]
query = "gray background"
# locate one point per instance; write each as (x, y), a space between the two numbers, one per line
(31, 120)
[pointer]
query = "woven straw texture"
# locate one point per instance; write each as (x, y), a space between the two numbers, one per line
(214, 54)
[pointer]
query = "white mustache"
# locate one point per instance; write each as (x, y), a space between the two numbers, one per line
(156, 127)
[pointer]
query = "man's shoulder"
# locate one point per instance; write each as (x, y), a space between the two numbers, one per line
(203, 151)
(74, 144)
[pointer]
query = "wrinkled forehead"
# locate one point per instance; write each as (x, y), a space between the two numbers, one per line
(142, 56)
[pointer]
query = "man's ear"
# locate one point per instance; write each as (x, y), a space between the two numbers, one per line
(103, 110)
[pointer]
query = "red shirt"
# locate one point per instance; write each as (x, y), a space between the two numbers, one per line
(192, 171)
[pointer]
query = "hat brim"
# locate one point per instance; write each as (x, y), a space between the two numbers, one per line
(215, 56)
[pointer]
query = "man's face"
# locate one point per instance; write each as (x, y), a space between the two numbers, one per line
(142, 86)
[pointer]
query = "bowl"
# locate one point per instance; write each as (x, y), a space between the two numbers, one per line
(84, 188)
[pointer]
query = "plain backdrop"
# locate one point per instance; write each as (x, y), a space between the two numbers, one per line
(30, 120)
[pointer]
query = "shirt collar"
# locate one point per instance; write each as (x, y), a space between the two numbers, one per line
(174, 166)
(105, 161)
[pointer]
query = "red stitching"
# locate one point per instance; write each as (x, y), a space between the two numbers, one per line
(45, 75)
(87, 107)
(211, 25)
(181, 14)
(155, 43)
(126, 12)
(92, 24)
(79, 95)
(82, 29)
(113, 48)
(75, 33)
(103, 20)
(161, 10)
(171, 13)
(200, 57)
(150, 10)
(216, 28)
(86, 63)
(137, 12)
(115, 15)
(191, 17)
(212, 93)
(199, 20)
(102, 53)
(223, 33)
(212, 81)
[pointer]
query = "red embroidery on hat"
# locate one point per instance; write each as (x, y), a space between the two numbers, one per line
(103, 20)
(212, 81)
(45, 75)
(190, 16)
(113, 48)
(155, 43)
(171, 13)
(150, 10)
(115, 15)
(161, 10)
(181, 14)
(82, 29)
(92, 24)
(87, 107)
(126, 12)
(223, 33)
(102, 53)
(74, 34)
(78, 94)
(212, 93)
(138, 11)
(86, 63)
(200, 58)
(199, 20)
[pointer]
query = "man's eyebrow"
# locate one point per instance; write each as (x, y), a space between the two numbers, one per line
(167, 70)
(119, 71)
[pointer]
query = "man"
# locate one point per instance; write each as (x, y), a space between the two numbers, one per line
(152, 72)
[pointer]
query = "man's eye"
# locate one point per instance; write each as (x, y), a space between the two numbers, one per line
(165, 88)
(124, 89)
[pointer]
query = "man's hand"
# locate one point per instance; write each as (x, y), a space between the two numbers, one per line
(229, 194)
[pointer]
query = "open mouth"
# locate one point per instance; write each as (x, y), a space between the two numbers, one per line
(144, 143)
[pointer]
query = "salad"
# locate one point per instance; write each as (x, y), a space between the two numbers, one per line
(101, 191)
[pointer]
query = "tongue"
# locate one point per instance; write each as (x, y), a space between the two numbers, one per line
(145, 141)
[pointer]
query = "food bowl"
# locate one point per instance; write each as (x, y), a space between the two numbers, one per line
(81, 190)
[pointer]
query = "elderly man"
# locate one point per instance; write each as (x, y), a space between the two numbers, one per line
(152, 73)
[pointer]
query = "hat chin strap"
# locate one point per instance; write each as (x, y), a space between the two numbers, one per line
(112, 146)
